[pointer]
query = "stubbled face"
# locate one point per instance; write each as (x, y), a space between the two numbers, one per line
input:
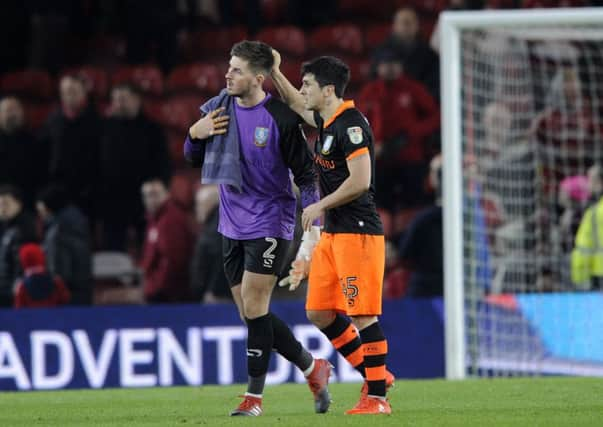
(154, 194)
(124, 104)
(406, 25)
(240, 79)
(11, 115)
(314, 96)
(73, 93)
(9, 207)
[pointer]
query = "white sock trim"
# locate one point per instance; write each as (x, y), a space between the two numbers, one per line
(377, 397)
(308, 371)
(257, 396)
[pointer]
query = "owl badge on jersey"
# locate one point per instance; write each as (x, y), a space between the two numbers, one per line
(326, 147)
(260, 137)
(355, 135)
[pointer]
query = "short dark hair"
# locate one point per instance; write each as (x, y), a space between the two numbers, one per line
(328, 70)
(11, 190)
(257, 54)
(54, 196)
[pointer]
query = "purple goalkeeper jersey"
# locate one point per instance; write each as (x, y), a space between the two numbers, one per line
(271, 143)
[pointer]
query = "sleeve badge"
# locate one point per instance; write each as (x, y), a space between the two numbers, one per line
(355, 134)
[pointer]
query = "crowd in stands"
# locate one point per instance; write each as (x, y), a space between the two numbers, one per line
(97, 97)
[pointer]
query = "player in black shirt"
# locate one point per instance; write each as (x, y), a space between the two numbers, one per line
(346, 267)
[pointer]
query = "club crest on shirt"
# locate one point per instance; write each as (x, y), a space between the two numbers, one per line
(355, 134)
(326, 146)
(260, 136)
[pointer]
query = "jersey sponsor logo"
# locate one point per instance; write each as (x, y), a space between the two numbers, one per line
(324, 163)
(260, 136)
(326, 146)
(355, 134)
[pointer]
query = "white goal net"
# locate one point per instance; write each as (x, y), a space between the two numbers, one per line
(529, 100)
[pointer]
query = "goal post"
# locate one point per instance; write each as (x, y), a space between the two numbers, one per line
(511, 80)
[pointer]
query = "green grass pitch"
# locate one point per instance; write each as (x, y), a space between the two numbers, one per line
(488, 402)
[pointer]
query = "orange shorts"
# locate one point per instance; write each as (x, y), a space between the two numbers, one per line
(346, 274)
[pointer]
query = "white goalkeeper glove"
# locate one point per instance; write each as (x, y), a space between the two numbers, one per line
(300, 267)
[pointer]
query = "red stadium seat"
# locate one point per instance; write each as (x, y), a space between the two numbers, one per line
(217, 43)
(288, 40)
(28, 83)
(273, 11)
(181, 190)
(36, 114)
(361, 10)
(360, 71)
(206, 78)
(291, 69)
(97, 81)
(147, 77)
(376, 34)
(343, 38)
(175, 145)
(177, 113)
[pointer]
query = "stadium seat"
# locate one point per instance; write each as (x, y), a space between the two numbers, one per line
(178, 112)
(181, 189)
(387, 221)
(361, 10)
(217, 43)
(288, 40)
(96, 79)
(273, 11)
(342, 38)
(147, 77)
(37, 113)
(376, 34)
(175, 146)
(36, 84)
(117, 266)
(205, 78)
(360, 71)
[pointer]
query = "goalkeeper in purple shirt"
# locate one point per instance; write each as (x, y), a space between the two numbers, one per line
(251, 143)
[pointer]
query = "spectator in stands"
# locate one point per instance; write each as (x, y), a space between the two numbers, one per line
(421, 248)
(404, 118)
(67, 242)
(418, 58)
(17, 226)
(20, 155)
(595, 183)
(138, 145)
(208, 282)
(587, 256)
(567, 132)
(167, 248)
(395, 279)
(71, 137)
(38, 288)
(573, 197)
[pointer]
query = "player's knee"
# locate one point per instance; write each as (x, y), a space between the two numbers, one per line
(320, 318)
(361, 322)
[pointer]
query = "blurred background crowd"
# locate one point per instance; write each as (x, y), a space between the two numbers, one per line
(96, 203)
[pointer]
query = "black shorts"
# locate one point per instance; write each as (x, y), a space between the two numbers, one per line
(266, 255)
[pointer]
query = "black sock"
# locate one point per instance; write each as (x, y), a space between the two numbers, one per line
(259, 346)
(374, 346)
(289, 347)
(345, 339)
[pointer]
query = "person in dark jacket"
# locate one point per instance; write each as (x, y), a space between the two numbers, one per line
(419, 60)
(421, 248)
(138, 144)
(208, 281)
(21, 157)
(67, 243)
(167, 247)
(71, 138)
(17, 226)
(38, 288)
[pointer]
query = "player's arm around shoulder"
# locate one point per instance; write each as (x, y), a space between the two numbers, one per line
(288, 92)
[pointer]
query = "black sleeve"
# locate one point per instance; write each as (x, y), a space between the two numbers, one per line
(297, 155)
(194, 151)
